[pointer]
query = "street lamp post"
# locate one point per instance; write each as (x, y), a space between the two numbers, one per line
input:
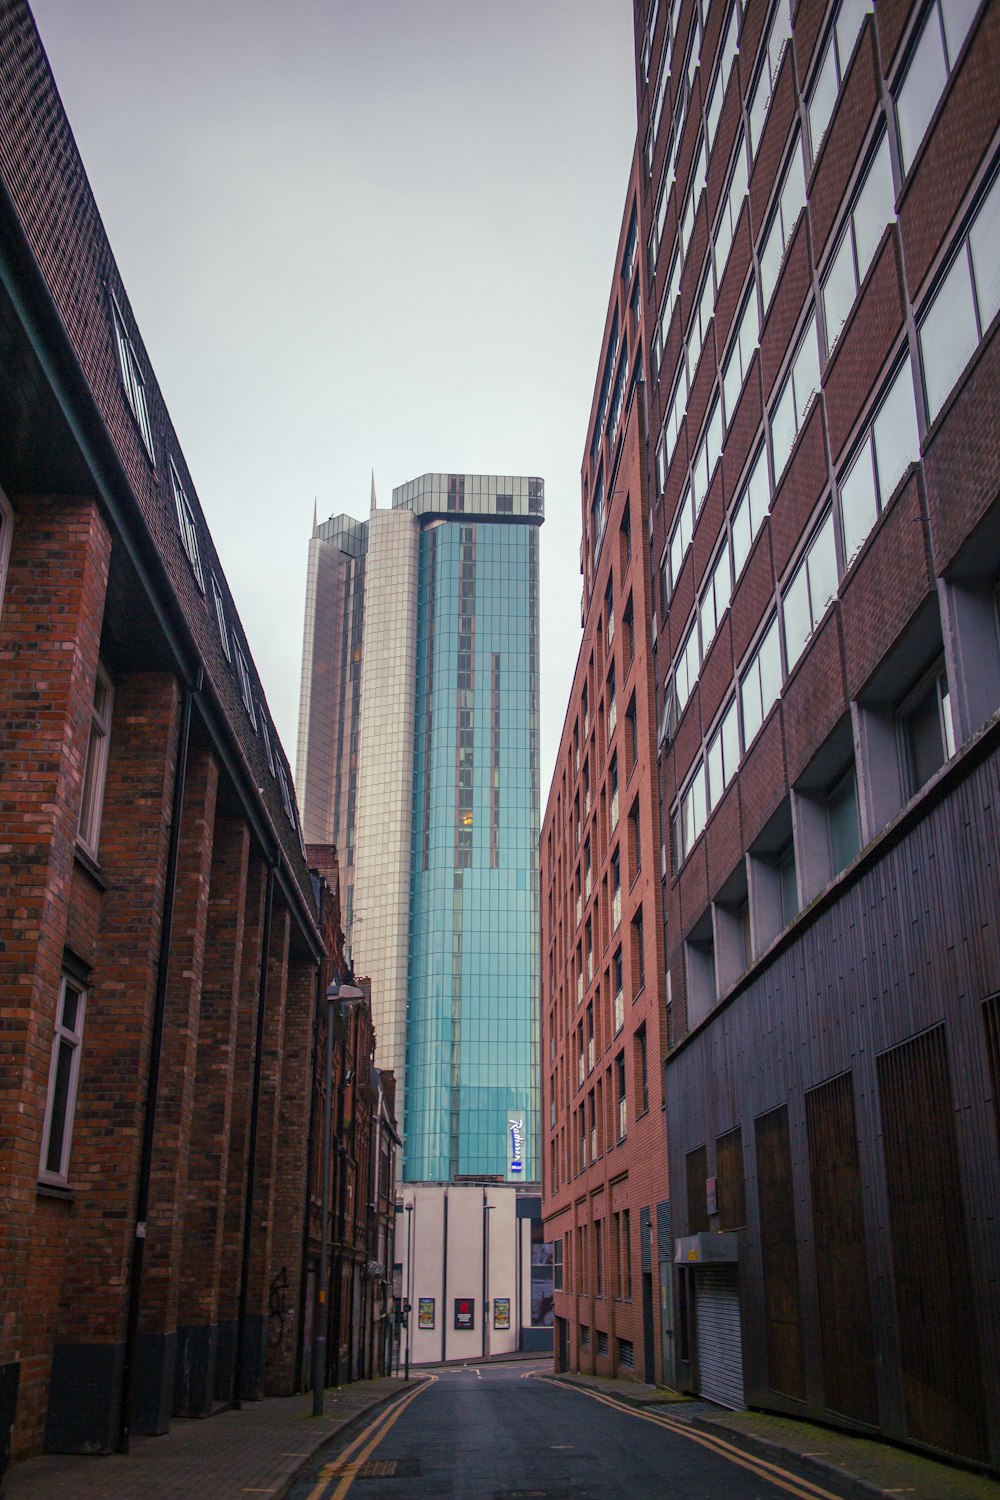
(334, 994)
(408, 1311)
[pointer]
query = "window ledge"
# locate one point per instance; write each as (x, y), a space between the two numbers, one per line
(87, 862)
(51, 1190)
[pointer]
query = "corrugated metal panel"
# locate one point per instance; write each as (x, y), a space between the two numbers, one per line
(841, 1251)
(664, 1235)
(937, 1321)
(720, 1341)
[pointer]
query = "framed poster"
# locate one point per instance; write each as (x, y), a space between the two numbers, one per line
(465, 1312)
(425, 1312)
(501, 1312)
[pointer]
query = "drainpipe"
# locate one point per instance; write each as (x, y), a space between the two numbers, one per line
(265, 960)
(127, 1415)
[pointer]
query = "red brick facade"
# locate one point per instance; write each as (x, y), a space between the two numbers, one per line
(605, 1164)
(165, 948)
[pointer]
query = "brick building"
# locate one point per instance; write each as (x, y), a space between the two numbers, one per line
(163, 946)
(604, 1152)
(820, 211)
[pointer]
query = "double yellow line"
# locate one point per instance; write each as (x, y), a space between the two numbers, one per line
(345, 1467)
(803, 1489)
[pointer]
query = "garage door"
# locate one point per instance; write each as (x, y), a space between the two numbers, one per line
(720, 1345)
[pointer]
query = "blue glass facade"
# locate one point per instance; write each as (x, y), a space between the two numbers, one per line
(472, 993)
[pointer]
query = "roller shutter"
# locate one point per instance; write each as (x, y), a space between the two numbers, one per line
(720, 1344)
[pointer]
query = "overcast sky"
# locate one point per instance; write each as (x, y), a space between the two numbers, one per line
(359, 236)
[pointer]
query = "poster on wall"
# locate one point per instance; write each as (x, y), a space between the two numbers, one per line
(515, 1133)
(465, 1312)
(501, 1312)
(425, 1312)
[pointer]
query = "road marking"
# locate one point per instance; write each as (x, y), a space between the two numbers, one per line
(349, 1472)
(804, 1489)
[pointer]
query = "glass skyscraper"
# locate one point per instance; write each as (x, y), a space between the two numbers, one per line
(445, 834)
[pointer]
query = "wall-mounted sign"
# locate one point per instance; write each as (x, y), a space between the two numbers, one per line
(501, 1312)
(425, 1312)
(465, 1312)
(515, 1129)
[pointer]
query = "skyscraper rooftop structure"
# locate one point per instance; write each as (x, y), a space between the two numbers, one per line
(418, 753)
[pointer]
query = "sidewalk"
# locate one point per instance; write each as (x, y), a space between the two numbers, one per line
(257, 1451)
(870, 1469)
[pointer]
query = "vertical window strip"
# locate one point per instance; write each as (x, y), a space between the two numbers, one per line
(835, 61)
(791, 199)
(931, 61)
(872, 208)
(187, 526)
(64, 1074)
(890, 444)
(779, 32)
(220, 618)
(132, 378)
(96, 765)
(963, 307)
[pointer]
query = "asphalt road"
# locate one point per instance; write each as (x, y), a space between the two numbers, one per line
(505, 1432)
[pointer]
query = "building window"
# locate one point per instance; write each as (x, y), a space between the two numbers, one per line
(634, 842)
(266, 738)
(220, 617)
(800, 386)
(638, 955)
(707, 456)
(700, 319)
(788, 897)
(626, 1255)
(763, 89)
(246, 690)
(837, 54)
(666, 312)
(750, 511)
(888, 448)
(843, 822)
(714, 600)
(64, 1072)
(723, 755)
(872, 209)
(813, 585)
(132, 379)
(927, 735)
(761, 683)
(680, 536)
(671, 427)
(732, 206)
(641, 1071)
(622, 1095)
(964, 305)
(687, 668)
(187, 526)
(96, 767)
(945, 28)
(691, 815)
(727, 56)
(557, 1265)
(742, 349)
(790, 203)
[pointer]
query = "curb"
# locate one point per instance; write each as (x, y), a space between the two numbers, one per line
(346, 1427)
(622, 1395)
(857, 1489)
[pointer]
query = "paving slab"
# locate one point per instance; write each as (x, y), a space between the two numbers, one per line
(258, 1450)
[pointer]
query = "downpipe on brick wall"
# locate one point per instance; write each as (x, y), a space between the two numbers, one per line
(127, 1415)
(265, 962)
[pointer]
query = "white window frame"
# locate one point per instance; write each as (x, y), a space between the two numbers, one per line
(246, 687)
(220, 618)
(72, 1038)
(187, 526)
(133, 380)
(266, 738)
(95, 770)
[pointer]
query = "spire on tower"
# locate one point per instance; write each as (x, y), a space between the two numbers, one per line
(374, 501)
